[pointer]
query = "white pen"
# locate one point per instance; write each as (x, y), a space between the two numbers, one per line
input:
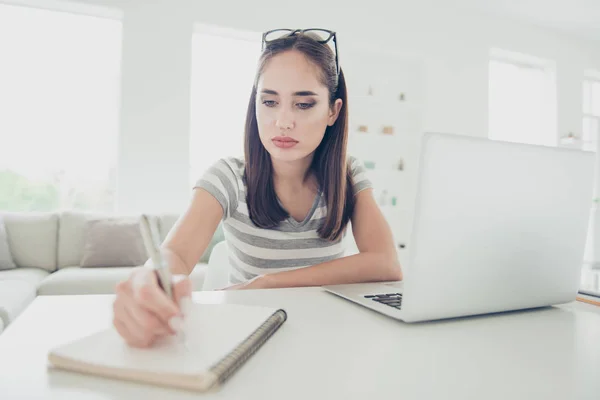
(152, 243)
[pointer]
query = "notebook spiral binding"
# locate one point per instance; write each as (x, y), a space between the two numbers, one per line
(236, 358)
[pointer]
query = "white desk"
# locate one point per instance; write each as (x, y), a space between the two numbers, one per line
(332, 349)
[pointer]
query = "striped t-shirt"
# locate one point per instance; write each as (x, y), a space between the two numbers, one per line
(257, 251)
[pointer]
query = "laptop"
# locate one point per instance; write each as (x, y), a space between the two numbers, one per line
(498, 226)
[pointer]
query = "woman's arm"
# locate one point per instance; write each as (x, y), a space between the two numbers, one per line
(191, 234)
(377, 260)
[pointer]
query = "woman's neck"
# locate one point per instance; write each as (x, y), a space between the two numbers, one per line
(292, 174)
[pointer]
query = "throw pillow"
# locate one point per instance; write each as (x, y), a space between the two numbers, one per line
(6, 259)
(113, 242)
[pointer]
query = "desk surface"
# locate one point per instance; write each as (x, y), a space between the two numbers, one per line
(330, 348)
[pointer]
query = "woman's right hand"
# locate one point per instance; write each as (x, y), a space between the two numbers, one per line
(142, 311)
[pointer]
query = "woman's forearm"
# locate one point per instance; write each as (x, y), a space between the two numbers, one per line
(176, 264)
(362, 267)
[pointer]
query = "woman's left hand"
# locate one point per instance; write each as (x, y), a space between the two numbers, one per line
(260, 282)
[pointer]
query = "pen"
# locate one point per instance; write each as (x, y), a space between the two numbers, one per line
(584, 300)
(152, 244)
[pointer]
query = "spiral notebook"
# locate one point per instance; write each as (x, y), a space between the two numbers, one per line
(219, 339)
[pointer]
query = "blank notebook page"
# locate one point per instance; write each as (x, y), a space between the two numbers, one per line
(211, 332)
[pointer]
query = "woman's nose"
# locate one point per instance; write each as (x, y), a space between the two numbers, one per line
(284, 121)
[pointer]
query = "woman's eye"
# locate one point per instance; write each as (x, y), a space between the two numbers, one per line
(269, 103)
(304, 106)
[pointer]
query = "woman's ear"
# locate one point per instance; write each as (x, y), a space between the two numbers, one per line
(334, 112)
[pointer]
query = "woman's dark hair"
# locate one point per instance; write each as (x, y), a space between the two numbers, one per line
(329, 162)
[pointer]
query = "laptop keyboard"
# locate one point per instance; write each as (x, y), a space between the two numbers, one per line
(389, 299)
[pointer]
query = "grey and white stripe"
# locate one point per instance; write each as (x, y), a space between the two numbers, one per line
(255, 251)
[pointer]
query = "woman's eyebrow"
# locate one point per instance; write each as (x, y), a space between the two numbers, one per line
(300, 93)
(305, 93)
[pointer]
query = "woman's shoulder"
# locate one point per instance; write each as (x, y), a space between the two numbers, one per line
(353, 163)
(359, 174)
(236, 163)
(233, 164)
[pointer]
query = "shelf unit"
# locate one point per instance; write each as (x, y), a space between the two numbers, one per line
(385, 98)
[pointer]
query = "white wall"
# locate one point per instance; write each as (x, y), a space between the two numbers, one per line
(453, 45)
(153, 155)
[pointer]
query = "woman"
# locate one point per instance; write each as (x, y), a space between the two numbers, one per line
(286, 206)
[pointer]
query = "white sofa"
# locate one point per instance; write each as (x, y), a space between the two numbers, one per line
(47, 249)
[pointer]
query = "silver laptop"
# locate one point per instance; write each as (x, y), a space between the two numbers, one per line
(498, 226)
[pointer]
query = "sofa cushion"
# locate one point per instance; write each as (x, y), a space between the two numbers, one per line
(32, 238)
(165, 224)
(71, 236)
(31, 275)
(6, 260)
(72, 230)
(15, 296)
(114, 242)
(77, 280)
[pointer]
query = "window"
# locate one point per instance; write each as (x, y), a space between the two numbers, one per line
(591, 114)
(522, 99)
(59, 101)
(223, 67)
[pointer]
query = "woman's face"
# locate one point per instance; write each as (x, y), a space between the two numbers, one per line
(292, 107)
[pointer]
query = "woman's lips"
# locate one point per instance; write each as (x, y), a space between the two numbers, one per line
(284, 142)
